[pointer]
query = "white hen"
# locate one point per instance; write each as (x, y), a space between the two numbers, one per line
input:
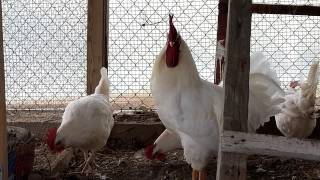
(86, 122)
(190, 107)
(297, 118)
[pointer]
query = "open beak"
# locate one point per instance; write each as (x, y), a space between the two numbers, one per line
(171, 43)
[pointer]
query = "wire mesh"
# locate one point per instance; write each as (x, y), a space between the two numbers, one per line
(289, 2)
(45, 52)
(45, 46)
(137, 32)
(291, 42)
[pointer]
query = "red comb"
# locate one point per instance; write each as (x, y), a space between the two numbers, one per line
(50, 140)
(294, 84)
(172, 30)
(148, 153)
(170, 19)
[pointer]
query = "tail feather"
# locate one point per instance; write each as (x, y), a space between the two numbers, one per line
(103, 86)
(297, 118)
(309, 87)
(313, 73)
(260, 64)
(266, 95)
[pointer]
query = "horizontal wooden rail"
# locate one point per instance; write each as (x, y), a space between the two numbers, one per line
(285, 9)
(247, 143)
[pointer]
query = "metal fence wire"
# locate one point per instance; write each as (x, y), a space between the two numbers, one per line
(45, 47)
(137, 32)
(45, 52)
(291, 42)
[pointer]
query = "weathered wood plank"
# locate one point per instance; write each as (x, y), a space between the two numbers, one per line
(237, 65)
(286, 9)
(221, 36)
(3, 122)
(96, 42)
(233, 166)
(247, 143)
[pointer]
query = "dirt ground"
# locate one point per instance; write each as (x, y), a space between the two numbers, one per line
(127, 162)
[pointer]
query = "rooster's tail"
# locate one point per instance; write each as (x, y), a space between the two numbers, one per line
(309, 87)
(103, 86)
(266, 95)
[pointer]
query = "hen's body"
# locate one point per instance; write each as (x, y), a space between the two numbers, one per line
(87, 122)
(297, 118)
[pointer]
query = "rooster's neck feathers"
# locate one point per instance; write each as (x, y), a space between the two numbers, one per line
(185, 74)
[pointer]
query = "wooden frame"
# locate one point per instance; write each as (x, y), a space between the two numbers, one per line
(257, 9)
(96, 41)
(247, 143)
(221, 36)
(3, 121)
(231, 165)
(285, 9)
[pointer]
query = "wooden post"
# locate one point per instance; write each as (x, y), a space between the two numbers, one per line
(221, 36)
(233, 165)
(96, 41)
(3, 121)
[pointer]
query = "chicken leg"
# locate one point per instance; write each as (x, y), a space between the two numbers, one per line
(195, 174)
(85, 154)
(88, 161)
(202, 175)
(199, 175)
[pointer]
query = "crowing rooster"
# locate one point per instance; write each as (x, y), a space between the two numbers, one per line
(86, 123)
(190, 107)
(297, 118)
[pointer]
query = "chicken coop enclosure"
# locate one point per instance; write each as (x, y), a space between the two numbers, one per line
(46, 45)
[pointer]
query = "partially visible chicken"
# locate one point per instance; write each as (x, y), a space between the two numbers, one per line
(191, 108)
(297, 117)
(86, 123)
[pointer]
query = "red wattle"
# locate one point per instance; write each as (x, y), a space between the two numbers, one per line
(148, 151)
(172, 55)
(50, 140)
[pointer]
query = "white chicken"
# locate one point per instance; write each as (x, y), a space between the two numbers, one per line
(297, 117)
(86, 123)
(190, 107)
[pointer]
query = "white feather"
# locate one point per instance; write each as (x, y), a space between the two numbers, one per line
(265, 93)
(87, 122)
(191, 107)
(296, 118)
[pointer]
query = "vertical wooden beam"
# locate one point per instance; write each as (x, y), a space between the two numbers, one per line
(106, 32)
(232, 165)
(96, 42)
(221, 36)
(3, 121)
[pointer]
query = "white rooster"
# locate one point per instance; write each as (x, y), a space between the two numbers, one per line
(190, 107)
(86, 123)
(297, 117)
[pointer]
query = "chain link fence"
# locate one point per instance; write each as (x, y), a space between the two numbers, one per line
(45, 47)
(291, 42)
(45, 52)
(137, 33)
